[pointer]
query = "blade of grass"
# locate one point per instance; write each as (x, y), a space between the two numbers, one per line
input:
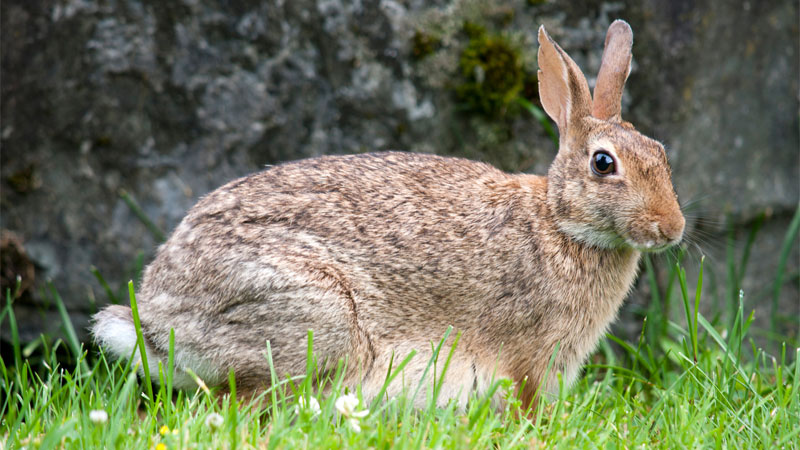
(633, 375)
(12, 323)
(674, 261)
(786, 249)
(311, 370)
(690, 325)
(733, 280)
(478, 417)
(54, 437)
(751, 237)
(140, 342)
(10, 297)
(540, 117)
(139, 213)
(126, 392)
(390, 376)
(437, 386)
(431, 362)
(789, 437)
(72, 337)
(170, 369)
(697, 293)
(724, 346)
(655, 310)
(109, 292)
(634, 354)
(542, 384)
(795, 400)
(233, 411)
(273, 379)
(198, 381)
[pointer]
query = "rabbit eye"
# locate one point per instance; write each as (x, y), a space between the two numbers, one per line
(603, 163)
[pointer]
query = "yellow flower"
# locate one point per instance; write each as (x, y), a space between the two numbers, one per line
(161, 446)
(163, 430)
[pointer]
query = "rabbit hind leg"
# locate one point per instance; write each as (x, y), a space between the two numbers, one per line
(235, 335)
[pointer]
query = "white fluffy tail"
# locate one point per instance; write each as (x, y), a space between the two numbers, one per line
(114, 331)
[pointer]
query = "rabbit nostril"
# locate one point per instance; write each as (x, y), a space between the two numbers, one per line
(671, 228)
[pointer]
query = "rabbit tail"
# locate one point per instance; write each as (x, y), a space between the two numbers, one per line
(114, 331)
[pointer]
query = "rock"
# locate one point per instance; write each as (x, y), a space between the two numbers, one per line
(17, 273)
(169, 100)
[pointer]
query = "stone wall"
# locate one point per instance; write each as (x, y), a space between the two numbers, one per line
(165, 101)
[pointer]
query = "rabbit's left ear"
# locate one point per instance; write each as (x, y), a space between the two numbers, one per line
(614, 70)
(562, 87)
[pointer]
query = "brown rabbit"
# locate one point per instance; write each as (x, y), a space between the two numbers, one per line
(379, 253)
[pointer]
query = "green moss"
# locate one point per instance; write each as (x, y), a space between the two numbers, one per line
(493, 72)
(24, 180)
(505, 16)
(474, 30)
(423, 44)
(530, 88)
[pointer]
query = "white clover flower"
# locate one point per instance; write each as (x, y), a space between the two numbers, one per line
(98, 416)
(312, 406)
(214, 420)
(346, 405)
(354, 424)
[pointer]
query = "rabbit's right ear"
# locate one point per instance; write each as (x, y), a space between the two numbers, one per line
(614, 70)
(562, 87)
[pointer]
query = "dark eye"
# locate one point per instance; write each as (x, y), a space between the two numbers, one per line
(603, 163)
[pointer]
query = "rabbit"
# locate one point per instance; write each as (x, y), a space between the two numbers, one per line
(379, 253)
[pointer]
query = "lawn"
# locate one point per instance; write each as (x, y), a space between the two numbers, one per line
(687, 382)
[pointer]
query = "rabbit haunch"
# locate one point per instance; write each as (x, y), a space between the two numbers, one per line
(379, 253)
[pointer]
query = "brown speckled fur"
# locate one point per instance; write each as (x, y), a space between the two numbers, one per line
(380, 253)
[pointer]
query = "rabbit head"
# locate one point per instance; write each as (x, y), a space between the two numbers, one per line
(609, 186)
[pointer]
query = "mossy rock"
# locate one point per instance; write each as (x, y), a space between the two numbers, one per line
(423, 44)
(493, 73)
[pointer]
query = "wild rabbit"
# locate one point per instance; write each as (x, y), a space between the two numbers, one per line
(379, 253)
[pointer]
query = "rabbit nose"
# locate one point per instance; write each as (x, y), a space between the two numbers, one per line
(671, 227)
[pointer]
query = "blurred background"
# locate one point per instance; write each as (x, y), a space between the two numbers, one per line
(117, 115)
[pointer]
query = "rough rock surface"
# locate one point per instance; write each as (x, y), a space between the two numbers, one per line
(167, 100)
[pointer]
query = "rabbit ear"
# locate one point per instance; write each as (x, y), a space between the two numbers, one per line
(614, 70)
(562, 86)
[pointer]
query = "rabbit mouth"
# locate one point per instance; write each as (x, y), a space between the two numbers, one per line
(650, 246)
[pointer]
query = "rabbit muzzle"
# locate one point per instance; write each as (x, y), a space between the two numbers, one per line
(653, 232)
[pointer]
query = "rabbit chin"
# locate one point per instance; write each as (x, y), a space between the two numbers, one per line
(590, 235)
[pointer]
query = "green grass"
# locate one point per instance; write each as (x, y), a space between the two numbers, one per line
(699, 383)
